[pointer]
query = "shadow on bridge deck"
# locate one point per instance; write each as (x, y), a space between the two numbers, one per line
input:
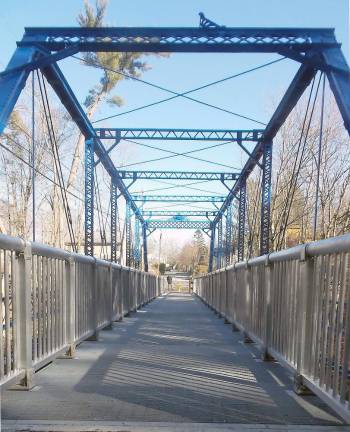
(173, 361)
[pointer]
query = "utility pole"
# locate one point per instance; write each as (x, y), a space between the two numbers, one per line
(159, 252)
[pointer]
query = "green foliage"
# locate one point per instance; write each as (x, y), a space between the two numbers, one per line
(129, 63)
(162, 268)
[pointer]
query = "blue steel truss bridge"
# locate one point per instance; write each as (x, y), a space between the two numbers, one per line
(315, 49)
(294, 304)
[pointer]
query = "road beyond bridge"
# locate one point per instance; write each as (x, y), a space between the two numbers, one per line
(172, 361)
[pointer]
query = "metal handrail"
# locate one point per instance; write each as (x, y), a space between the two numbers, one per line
(295, 304)
(53, 299)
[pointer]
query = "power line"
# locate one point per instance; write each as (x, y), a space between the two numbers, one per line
(176, 94)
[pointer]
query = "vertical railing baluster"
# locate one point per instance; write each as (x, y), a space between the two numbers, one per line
(23, 265)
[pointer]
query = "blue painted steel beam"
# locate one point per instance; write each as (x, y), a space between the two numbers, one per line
(114, 220)
(181, 39)
(137, 244)
(179, 213)
(241, 219)
(228, 236)
(218, 263)
(339, 80)
(12, 84)
(89, 197)
(145, 248)
(180, 134)
(211, 249)
(174, 224)
(179, 198)
(178, 175)
(43, 58)
(266, 200)
(128, 236)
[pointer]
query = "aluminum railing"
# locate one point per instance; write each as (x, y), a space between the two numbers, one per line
(52, 300)
(295, 305)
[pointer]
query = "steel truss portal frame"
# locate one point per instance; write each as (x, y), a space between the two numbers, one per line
(315, 49)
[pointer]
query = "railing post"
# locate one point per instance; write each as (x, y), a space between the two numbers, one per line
(234, 300)
(111, 298)
(268, 274)
(70, 298)
(25, 318)
(304, 289)
(121, 293)
(94, 309)
(246, 337)
(127, 291)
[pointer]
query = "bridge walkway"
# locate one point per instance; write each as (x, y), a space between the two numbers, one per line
(172, 361)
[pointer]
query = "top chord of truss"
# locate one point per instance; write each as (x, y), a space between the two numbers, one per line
(180, 134)
(180, 39)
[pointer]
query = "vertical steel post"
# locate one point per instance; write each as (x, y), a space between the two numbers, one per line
(228, 237)
(114, 221)
(89, 196)
(137, 244)
(145, 251)
(266, 199)
(128, 248)
(211, 250)
(241, 218)
(219, 248)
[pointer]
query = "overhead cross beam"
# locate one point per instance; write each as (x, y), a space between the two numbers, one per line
(179, 213)
(180, 134)
(184, 224)
(177, 175)
(179, 198)
(181, 39)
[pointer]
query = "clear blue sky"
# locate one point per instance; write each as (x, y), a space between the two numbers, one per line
(254, 95)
